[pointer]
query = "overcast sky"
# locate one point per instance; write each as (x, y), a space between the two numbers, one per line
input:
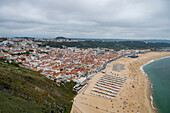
(111, 19)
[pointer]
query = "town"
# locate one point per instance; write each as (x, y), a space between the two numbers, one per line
(59, 64)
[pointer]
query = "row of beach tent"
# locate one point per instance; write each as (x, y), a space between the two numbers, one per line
(102, 95)
(114, 82)
(107, 90)
(112, 76)
(114, 89)
(108, 85)
(114, 79)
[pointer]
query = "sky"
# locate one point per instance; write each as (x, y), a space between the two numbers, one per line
(102, 19)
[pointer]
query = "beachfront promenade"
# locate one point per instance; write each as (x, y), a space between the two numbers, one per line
(122, 88)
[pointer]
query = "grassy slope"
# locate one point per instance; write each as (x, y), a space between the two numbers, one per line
(35, 88)
(12, 104)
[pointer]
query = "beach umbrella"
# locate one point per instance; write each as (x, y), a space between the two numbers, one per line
(133, 86)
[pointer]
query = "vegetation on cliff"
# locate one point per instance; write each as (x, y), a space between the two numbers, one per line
(23, 90)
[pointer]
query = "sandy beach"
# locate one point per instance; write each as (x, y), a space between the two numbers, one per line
(133, 96)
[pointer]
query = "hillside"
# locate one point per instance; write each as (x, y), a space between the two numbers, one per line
(22, 90)
(60, 37)
(12, 104)
(113, 45)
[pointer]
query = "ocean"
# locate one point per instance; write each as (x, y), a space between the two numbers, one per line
(158, 72)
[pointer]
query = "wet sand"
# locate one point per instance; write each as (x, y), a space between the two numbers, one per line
(133, 97)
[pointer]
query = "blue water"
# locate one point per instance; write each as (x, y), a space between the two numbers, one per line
(159, 75)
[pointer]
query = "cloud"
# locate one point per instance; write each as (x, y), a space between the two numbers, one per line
(137, 19)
